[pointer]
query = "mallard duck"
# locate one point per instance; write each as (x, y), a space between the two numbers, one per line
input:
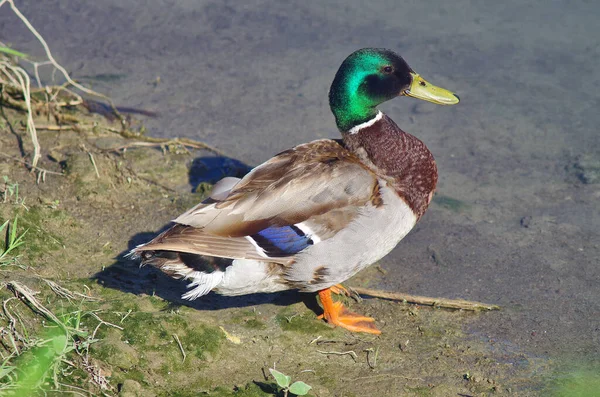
(313, 216)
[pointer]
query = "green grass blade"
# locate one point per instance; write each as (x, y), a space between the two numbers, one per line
(13, 230)
(4, 244)
(10, 51)
(4, 226)
(13, 240)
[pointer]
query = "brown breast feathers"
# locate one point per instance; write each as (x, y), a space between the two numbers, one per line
(399, 157)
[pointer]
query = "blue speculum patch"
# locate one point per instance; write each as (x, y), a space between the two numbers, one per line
(282, 241)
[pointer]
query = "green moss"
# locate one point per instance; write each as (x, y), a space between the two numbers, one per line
(579, 382)
(305, 323)
(177, 321)
(432, 332)
(107, 250)
(152, 331)
(136, 375)
(254, 323)
(115, 352)
(240, 316)
(201, 340)
(122, 303)
(76, 377)
(39, 240)
(106, 293)
(164, 370)
(104, 351)
(157, 302)
(246, 318)
(143, 328)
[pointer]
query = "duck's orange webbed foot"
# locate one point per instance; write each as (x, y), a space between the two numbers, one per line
(335, 313)
(339, 289)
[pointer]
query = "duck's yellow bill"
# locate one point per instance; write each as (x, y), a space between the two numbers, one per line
(421, 89)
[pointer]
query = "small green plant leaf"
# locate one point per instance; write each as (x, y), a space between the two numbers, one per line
(282, 379)
(299, 388)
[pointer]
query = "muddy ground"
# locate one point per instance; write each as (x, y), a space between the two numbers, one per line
(81, 223)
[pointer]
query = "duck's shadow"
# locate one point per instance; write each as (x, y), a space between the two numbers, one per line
(126, 275)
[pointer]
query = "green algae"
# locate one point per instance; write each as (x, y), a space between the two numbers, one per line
(575, 379)
(450, 203)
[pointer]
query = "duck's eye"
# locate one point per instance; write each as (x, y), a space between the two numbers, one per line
(388, 69)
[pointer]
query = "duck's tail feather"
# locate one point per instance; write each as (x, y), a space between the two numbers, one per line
(204, 272)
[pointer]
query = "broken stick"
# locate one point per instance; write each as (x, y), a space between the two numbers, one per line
(427, 301)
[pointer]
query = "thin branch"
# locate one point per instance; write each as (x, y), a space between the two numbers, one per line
(428, 301)
(349, 352)
(92, 160)
(65, 293)
(25, 84)
(26, 295)
(56, 127)
(30, 165)
(375, 353)
(105, 322)
(51, 57)
(146, 141)
(180, 347)
(379, 376)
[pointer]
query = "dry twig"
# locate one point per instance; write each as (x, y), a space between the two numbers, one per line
(180, 347)
(147, 141)
(41, 170)
(27, 296)
(349, 352)
(24, 83)
(428, 301)
(375, 354)
(65, 293)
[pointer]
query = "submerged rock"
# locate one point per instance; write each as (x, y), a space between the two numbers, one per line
(586, 168)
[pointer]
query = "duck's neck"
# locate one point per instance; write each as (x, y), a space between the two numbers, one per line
(347, 104)
(366, 124)
(397, 156)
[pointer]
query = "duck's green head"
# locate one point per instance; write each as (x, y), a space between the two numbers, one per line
(372, 76)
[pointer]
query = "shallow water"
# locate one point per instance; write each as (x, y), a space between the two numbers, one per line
(520, 153)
